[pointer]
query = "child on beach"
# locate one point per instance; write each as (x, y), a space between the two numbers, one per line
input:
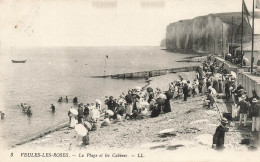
(219, 136)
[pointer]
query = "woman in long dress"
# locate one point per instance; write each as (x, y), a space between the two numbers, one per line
(129, 109)
(204, 87)
(73, 121)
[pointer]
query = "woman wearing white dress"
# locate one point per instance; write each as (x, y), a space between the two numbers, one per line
(73, 121)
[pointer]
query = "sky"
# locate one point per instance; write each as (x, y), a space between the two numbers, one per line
(40, 23)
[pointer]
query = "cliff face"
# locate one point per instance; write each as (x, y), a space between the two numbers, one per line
(204, 34)
(163, 43)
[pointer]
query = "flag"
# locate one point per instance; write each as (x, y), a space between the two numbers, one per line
(245, 10)
(257, 4)
(107, 56)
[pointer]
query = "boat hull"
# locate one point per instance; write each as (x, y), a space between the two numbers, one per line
(18, 61)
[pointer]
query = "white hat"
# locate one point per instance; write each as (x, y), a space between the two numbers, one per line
(254, 100)
(243, 97)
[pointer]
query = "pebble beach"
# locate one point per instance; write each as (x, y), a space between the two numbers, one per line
(192, 127)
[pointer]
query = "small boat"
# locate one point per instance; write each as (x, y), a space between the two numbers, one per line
(18, 61)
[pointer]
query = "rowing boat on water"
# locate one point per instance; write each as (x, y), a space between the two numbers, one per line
(18, 61)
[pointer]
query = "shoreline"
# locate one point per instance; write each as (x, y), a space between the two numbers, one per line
(62, 126)
(142, 135)
(194, 126)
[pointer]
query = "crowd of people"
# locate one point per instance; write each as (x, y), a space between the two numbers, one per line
(243, 107)
(211, 80)
(237, 58)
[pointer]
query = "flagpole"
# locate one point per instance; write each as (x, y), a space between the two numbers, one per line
(222, 42)
(253, 32)
(242, 32)
(231, 37)
(105, 66)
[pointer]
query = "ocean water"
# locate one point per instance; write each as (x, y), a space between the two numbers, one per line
(50, 73)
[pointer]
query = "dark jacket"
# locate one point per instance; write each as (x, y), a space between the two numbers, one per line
(185, 89)
(111, 104)
(156, 110)
(243, 107)
(167, 106)
(80, 111)
(86, 111)
(151, 96)
(208, 83)
(219, 136)
(220, 88)
(227, 90)
(215, 85)
(255, 110)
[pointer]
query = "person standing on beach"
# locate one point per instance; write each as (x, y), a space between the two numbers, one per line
(243, 110)
(219, 136)
(86, 112)
(220, 84)
(66, 99)
(69, 114)
(73, 118)
(254, 96)
(80, 114)
(227, 91)
(185, 91)
(255, 109)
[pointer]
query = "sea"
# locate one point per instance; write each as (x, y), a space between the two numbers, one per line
(50, 73)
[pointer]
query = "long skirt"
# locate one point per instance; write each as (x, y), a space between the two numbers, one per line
(220, 89)
(129, 109)
(155, 113)
(167, 106)
(204, 89)
(73, 122)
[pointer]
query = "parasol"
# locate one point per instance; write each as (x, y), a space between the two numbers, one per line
(184, 82)
(87, 125)
(160, 101)
(128, 98)
(233, 74)
(81, 130)
(246, 60)
(74, 111)
(98, 101)
(149, 89)
(110, 112)
(138, 88)
(169, 95)
(163, 96)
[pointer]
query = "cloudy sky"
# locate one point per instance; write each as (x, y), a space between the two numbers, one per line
(34, 23)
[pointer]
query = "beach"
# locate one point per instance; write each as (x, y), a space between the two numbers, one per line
(193, 124)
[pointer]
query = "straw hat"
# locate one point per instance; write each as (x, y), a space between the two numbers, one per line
(243, 97)
(254, 100)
